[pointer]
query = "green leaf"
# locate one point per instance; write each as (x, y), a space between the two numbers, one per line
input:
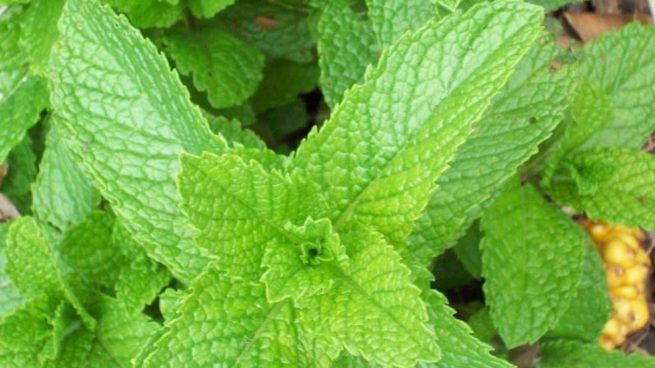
(532, 256)
(458, 346)
(208, 8)
(39, 31)
(520, 118)
(20, 108)
(574, 354)
(149, 13)
(249, 208)
(280, 32)
(590, 111)
(233, 133)
(393, 18)
(12, 57)
(34, 269)
(346, 46)
(590, 309)
(376, 158)
(228, 69)
(290, 274)
(283, 82)
(140, 278)
(246, 331)
(119, 337)
(62, 193)
(131, 145)
(86, 247)
(612, 184)
(10, 299)
(24, 336)
(373, 308)
(17, 185)
(622, 65)
(468, 250)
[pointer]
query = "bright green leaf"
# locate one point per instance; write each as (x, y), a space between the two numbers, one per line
(393, 18)
(376, 158)
(126, 118)
(574, 354)
(532, 256)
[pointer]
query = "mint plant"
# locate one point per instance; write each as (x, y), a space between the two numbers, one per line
(177, 209)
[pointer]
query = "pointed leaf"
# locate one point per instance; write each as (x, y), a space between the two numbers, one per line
(126, 117)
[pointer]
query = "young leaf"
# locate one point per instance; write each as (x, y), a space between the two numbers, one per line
(346, 46)
(140, 278)
(575, 354)
(590, 308)
(244, 330)
(612, 184)
(119, 337)
(373, 308)
(249, 208)
(34, 269)
(130, 145)
(228, 69)
(393, 18)
(24, 335)
(519, 119)
(376, 158)
(532, 257)
(62, 193)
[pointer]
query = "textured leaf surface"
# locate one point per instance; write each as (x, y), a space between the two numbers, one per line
(228, 69)
(532, 257)
(622, 65)
(249, 208)
(20, 109)
(119, 336)
(591, 307)
(86, 247)
(376, 158)
(520, 118)
(280, 32)
(373, 308)
(140, 278)
(126, 117)
(393, 18)
(39, 31)
(12, 58)
(574, 354)
(346, 46)
(62, 194)
(234, 134)
(10, 299)
(226, 321)
(458, 346)
(615, 185)
(23, 336)
(34, 269)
